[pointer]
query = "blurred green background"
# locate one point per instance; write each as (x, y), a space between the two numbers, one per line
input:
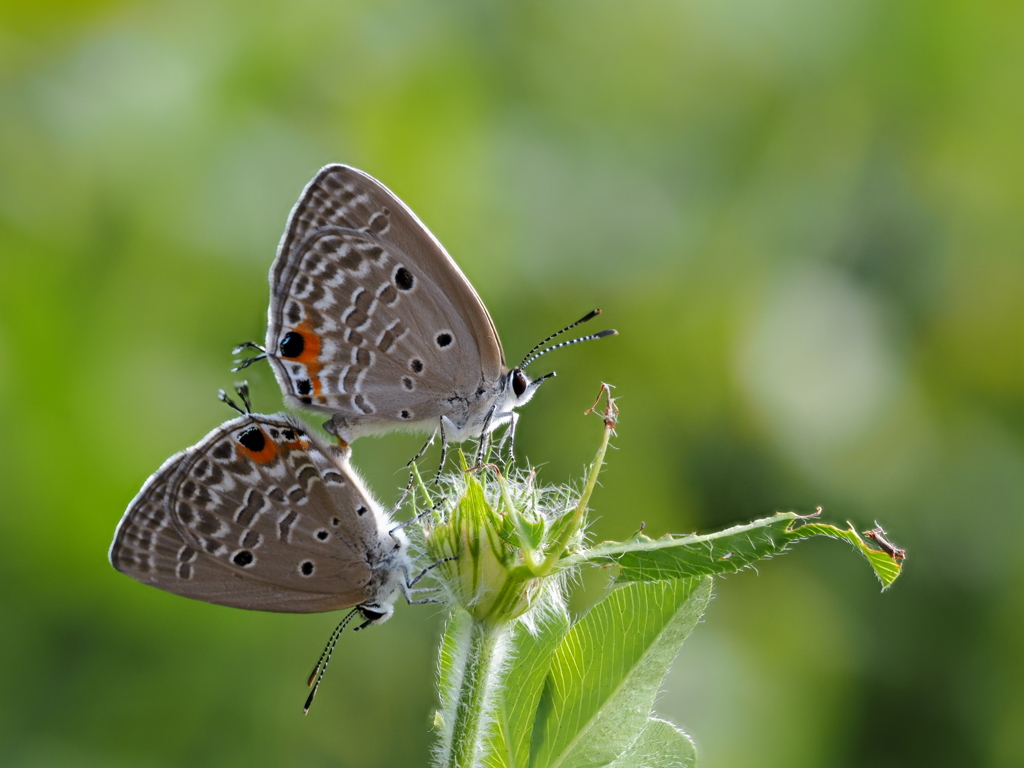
(804, 217)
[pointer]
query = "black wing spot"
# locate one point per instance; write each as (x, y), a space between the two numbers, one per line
(404, 279)
(252, 438)
(416, 365)
(405, 415)
(304, 387)
(361, 510)
(408, 383)
(322, 534)
(443, 340)
(306, 400)
(292, 344)
(243, 558)
(289, 435)
(222, 451)
(306, 569)
(335, 521)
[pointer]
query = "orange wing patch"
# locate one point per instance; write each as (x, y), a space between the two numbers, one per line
(298, 444)
(255, 444)
(309, 356)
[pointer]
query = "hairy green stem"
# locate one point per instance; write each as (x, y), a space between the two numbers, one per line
(481, 661)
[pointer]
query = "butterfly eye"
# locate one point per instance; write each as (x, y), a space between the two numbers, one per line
(370, 614)
(519, 382)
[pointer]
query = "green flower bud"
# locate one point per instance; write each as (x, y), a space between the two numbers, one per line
(492, 538)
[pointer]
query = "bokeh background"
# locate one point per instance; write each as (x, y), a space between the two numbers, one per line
(804, 217)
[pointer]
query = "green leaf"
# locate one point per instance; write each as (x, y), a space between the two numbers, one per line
(508, 745)
(607, 671)
(672, 556)
(659, 745)
(884, 566)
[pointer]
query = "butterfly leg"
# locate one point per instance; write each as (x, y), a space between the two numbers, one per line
(485, 435)
(412, 520)
(423, 450)
(421, 590)
(411, 582)
(444, 451)
(509, 437)
(412, 476)
(426, 600)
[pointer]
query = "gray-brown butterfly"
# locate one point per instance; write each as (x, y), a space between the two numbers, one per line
(262, 515)
(372, 323)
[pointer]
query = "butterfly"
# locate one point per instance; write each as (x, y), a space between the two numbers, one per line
(372, 323)
(262, 515)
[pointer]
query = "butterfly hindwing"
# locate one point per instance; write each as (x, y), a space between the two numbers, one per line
(370, 320)
(150, 549)
(259, 515)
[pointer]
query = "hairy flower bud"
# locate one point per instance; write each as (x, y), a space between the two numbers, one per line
(494, 535)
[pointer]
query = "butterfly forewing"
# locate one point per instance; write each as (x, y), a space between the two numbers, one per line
(370, 320)
(258, 515)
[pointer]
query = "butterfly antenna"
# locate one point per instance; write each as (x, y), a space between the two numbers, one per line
(325, 658)
(223, 397)
(242, 389)
(589, 316)
(591, 337)
(240, 364)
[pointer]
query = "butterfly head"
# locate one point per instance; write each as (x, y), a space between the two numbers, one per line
(522, 387)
